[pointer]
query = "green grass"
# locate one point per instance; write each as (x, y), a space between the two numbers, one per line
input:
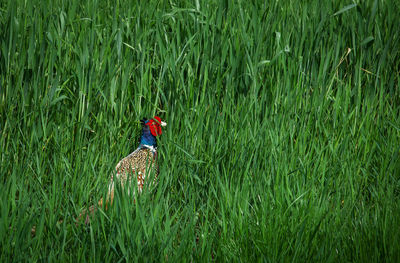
(283, 130)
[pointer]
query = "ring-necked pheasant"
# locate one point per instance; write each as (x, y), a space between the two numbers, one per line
(139, 165)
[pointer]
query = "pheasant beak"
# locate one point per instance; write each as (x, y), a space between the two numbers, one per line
(163, 124)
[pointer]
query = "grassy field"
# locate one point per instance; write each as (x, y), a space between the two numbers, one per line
(283, 130)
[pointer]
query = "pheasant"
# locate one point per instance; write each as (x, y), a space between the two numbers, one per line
(140, 164)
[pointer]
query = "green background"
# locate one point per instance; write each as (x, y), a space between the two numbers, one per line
(282, 141)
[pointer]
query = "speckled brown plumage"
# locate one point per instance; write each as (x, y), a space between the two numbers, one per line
(140, 164)
(137, 166)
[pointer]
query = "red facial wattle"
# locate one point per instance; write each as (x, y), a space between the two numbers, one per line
(155, 126)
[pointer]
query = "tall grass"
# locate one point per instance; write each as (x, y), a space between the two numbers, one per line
(282, 141)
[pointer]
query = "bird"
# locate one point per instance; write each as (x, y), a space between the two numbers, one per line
(139, 165)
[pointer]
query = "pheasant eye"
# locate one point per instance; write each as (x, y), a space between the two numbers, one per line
(155, 127)
(157, 119)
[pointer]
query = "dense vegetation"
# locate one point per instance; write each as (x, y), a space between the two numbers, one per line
(282, 141)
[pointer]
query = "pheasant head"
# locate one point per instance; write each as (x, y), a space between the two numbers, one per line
(151, 128)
